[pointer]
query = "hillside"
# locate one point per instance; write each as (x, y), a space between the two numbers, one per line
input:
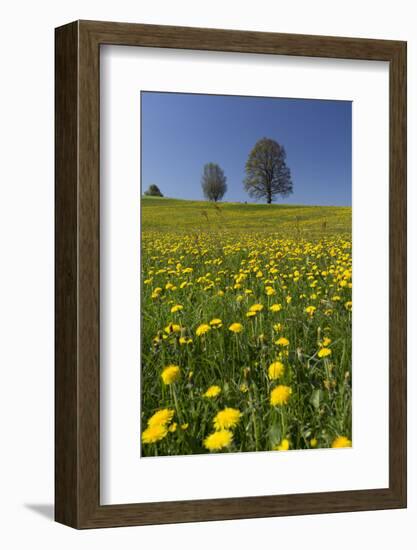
(163, 214)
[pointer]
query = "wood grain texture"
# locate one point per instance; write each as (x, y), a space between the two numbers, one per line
(78, 285)
(66, 258)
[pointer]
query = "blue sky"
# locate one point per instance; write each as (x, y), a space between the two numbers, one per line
(182, 132)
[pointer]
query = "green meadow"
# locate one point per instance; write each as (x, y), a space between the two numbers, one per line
(246, 327)
(163, 214)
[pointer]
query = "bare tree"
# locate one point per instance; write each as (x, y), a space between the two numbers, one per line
(267, 174)
(213, 182)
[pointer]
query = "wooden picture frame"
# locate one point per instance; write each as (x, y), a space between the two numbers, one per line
(77, 374)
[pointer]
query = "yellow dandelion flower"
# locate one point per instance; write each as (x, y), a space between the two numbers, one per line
(184, 426)
(177, 307)
(236, 328)
(313, 443)
(243, 388)
(251, 314)
(324, 352)
(227, 418)
(341, 441)
(288, 299)
(173, 427)
(310, 310)
(284, 342)
(153, 434)
(184, 340)
(218, 440)
(280, 395)
(256, 308)
(283, 446)
(277, 327)
(220, 293)
(275, 370)
(170, 374)
(162, 417)
(172, 327)
(202, 329)
(212, 391)
(275, 308)
(269, 291)
(348, 306)
(216, 323)
(326, 341)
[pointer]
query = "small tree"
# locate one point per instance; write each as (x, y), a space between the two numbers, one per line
(153, 191)
(267, 174)
(213, 182)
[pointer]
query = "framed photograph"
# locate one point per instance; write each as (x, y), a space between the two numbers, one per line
(230, 274)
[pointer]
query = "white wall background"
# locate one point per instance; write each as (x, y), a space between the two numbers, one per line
(26, 271)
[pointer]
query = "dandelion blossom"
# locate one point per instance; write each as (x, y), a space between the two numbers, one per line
(218, 440)
(283, 446)
(161, 418)
(227, 418)
(236, 328)
(284, 342)
(280, 395)
(213, 391)
(185, 341)
(256, 308)
(170, 374)
(275, 370)
(324, 352)
(202, 329)
(172, 327)
(216, 323)
(275, 308)
(341, 441)
(313, 443)
(177, 307)
(152, 434)
(310, 310)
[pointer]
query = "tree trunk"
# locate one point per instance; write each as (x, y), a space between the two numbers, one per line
(269, 194)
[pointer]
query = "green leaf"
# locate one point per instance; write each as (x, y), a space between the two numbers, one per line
(316, 398)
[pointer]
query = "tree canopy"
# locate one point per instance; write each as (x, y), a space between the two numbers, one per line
(267, 174)
(153, 191)
(213, 182)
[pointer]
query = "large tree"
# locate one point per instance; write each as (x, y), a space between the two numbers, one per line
(267, 174)
(213, 182)
(153, 191)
